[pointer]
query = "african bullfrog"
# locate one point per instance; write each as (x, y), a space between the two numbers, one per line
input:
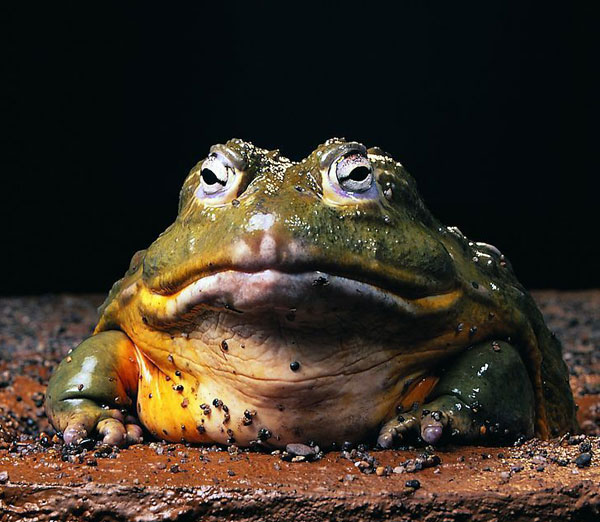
(316, 300)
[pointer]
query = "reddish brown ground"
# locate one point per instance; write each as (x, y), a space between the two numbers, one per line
(43, 480)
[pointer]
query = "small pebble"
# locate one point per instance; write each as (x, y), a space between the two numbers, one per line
(414, 483)
(3, 477)
(583, 460)
(301, 450)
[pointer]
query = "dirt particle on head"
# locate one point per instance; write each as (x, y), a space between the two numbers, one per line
(320, 281)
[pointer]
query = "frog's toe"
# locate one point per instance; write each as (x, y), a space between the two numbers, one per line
(75, 433)
(79, 423)
(113, 432)
(116, 431)
(397, 430)
(386, 438)
(432, 426)
(135, 434)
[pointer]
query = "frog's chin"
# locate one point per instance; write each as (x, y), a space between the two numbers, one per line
(311, 293)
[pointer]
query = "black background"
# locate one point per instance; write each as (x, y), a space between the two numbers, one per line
(490, 105)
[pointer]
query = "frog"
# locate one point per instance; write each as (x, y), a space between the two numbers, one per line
(316, 301)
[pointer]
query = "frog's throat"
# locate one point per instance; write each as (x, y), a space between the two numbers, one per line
(270, 290)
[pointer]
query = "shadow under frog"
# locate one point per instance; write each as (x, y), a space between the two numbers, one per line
(313, 301)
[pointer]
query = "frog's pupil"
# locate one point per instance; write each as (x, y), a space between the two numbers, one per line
(210, 178)
(359, 173)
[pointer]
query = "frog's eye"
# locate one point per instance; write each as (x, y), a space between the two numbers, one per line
(349, 177)
(353, 173)
(220, 176)
(214, 175)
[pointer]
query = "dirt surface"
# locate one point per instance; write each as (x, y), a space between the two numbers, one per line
(42, 479)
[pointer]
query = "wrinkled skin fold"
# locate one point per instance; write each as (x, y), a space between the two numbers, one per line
(319, 301)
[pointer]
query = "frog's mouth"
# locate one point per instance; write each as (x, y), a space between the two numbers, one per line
(312, 294)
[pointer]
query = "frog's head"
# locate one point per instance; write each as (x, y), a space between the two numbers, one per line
(257, 230)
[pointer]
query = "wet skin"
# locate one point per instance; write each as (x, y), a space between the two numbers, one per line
(313, 300)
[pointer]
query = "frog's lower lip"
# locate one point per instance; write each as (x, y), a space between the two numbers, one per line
(311, 292)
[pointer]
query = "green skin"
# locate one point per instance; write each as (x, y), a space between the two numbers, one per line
(501, 374)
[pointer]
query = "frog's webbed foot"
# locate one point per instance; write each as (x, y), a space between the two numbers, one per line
(429, 424)
(90, 391)
(83, 419)
(484, 396)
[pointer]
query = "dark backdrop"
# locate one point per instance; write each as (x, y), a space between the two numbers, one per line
(490, 105)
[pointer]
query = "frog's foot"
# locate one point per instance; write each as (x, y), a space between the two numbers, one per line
(429, 423)
(485, 396)
(92, 389)
(86, 418)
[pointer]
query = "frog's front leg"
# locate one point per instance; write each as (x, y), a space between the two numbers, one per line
(92, 389)
(483, 396)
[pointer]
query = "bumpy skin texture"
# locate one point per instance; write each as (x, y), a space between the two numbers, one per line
(288, 306)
